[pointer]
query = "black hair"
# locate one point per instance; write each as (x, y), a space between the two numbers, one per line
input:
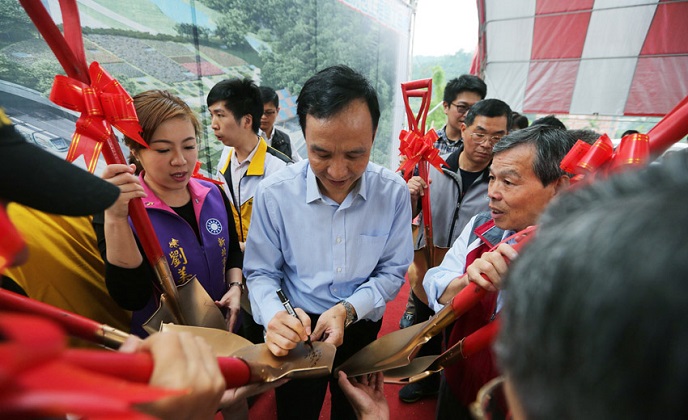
(330, 90)
(241, 97)
(488, 108)
(464, 83)
(268, 95)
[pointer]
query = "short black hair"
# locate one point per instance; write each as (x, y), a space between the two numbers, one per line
(489, 108)
(627, 132)
(550, 120)
(551, 145)
(464, 83)
(330, 90)
(241, 97)
(585, 134)
(268, 95)
(518, 121)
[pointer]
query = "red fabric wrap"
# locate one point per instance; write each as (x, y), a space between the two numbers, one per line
(601, 158)
(417, 149)
(101, 104)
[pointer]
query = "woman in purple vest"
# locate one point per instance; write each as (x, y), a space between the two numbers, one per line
(192, 218)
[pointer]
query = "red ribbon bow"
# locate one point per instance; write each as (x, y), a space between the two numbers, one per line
(102, 103)
(585, 160)
(416, 149)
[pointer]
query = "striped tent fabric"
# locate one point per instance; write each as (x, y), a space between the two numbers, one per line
(585, 57)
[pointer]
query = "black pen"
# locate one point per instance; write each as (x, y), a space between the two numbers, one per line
(292, 312)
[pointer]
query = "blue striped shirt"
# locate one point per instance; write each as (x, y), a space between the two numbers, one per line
(320, 252)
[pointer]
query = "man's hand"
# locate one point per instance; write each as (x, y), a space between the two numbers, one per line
(284, 331)
(416, 187)
(494, 265)
(330, 326)
(181, 361)
(366, 395)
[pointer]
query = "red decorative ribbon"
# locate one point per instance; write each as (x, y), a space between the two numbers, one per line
(586, 161)
(417, 149)
(102, 103)
(196, 174)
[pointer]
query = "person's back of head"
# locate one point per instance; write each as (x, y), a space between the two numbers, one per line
(464, 83)
(518, 121)
(331, 90)
(268, 95)
(628, 132)
(587, 135)
(241, 97)
(599, 331)
(551, 145)
(488, 108)
(550, 120)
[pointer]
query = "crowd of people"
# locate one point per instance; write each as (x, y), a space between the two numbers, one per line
(591, 310)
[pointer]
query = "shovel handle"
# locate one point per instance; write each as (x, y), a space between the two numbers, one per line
(76, 325)
(471, 295)
(138, 367)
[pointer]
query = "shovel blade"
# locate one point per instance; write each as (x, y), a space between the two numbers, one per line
(301, 362)
(223, 343)
(419, 368)
(198, 309)
(390, 351)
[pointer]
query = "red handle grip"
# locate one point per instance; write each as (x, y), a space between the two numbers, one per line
(75, 325)
(138, 367)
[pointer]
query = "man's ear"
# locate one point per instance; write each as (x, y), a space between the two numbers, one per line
(463, 128)
(247, 121)
(562, 184)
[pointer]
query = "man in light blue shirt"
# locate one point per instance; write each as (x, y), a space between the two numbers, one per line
(333, 232)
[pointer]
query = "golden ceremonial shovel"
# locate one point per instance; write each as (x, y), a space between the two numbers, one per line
(397, 349)
(223, 342)
(422, 367)
(301, 362)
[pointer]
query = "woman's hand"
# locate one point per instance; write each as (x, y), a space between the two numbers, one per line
(129, 185)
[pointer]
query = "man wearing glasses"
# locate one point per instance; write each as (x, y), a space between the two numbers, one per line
(277, 139)
(458, 193)
(460, 95)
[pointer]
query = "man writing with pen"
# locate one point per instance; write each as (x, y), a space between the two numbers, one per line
(333, 232)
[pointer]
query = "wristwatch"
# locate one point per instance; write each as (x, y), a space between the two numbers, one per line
(351, 316)
(239, 284)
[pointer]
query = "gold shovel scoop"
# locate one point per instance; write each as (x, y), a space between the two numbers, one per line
(301, 362)
(424, 366)
(397, 349)
(223, 342)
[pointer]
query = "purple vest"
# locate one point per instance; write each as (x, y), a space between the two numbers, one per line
(185, 255)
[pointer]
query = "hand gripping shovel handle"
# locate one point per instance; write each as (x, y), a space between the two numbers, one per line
(471, 295)
(75, 325)
(138, 367)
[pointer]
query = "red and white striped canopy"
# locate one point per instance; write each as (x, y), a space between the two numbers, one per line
(606, 57)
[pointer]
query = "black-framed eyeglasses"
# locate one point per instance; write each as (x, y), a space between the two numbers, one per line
(481, 138)
(460, 108)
